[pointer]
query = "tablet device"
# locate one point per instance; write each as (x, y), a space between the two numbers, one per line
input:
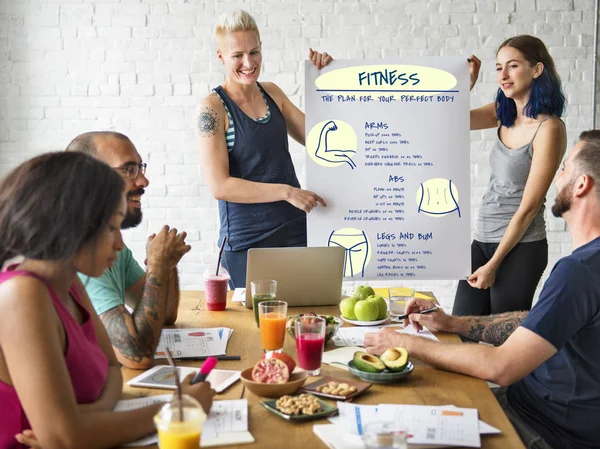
(162, 377)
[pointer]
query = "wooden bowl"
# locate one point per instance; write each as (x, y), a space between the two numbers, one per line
(274, 390)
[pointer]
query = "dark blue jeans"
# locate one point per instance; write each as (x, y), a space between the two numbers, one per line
(531, 439)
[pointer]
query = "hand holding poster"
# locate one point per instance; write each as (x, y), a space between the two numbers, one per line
(388, 147)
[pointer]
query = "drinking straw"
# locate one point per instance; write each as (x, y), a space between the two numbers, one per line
(220, 254)
(177, 382)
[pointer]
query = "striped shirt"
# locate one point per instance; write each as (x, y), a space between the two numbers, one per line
(230, 132)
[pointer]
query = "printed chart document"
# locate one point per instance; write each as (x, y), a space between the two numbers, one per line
(435, 425)
(227, 422)
(387, 143)
(162, 377)
(355, 336)
(193, 342)
(430, 426)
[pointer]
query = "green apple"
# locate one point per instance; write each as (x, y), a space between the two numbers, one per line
(347, 307)
(381, 304)
(363, 292)
(366, 310)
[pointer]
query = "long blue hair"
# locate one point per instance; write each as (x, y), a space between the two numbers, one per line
(546, 96)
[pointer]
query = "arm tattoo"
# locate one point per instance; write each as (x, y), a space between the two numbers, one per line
(122, 340)
(139, 342)
(494, 329)
(207, 122)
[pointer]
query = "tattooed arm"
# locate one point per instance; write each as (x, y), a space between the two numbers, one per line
(134, 294)
(520, 350)
(494, 329)
(211, 124)
(135, 336)
(173, 297)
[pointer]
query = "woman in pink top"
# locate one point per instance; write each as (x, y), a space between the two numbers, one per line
(59, 377)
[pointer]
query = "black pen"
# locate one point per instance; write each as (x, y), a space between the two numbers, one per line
(218, 357)
(431, 309)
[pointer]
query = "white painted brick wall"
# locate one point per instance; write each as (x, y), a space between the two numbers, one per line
(140, 66)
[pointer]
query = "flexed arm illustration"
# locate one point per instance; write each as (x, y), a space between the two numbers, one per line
(333, 156)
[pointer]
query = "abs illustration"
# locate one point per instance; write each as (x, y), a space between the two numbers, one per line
(438, 197)
(357, 247)
(332, 143)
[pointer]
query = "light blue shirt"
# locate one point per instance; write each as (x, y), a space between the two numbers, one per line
(108, 290)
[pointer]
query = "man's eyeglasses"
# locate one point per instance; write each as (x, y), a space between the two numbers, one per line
(132, 170)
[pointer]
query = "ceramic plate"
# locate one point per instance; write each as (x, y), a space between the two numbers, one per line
(326, 410)
(312, 387)
(384, 377)
(365, 323)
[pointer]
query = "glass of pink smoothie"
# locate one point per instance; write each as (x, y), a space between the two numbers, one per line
(215, 288)
(310, 342)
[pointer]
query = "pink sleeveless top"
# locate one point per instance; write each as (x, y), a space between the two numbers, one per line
(87, 365)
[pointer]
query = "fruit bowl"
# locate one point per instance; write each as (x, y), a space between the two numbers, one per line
(274, 390)
(333, 324)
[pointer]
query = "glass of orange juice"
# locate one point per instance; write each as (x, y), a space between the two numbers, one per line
(272, 318)
(175, 432)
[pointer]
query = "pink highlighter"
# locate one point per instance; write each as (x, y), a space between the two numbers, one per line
(205, 370)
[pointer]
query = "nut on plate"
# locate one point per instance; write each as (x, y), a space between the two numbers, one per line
(295, 405)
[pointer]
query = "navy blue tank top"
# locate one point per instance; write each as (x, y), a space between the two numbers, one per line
(260, 153)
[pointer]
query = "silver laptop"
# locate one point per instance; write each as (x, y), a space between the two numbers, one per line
(305, 276)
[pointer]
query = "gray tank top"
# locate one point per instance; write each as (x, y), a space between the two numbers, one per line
(509, 173)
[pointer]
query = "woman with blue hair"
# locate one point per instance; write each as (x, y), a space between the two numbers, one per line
(510, 250)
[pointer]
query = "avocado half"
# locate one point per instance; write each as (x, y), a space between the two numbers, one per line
(395, 359)
(367, 362)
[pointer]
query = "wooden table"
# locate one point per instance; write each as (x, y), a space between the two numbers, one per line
(425, 386)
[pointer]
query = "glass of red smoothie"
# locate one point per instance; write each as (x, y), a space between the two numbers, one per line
(215, 288)
(310, 342)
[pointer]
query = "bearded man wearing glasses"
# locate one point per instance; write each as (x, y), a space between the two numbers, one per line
(152, 295)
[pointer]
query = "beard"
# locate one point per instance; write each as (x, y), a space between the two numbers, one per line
(562, 203)
(132, 217)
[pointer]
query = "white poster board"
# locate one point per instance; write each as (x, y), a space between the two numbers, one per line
(388, 149)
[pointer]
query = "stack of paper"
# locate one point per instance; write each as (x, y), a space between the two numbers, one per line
(193, 342)
(355, 336)
(428, 426)
(227, 422)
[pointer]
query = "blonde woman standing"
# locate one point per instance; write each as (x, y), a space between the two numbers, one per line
(242, 131)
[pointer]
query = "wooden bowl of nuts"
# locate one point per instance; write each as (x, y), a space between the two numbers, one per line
(295, 381)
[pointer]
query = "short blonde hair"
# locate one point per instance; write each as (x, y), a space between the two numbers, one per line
(232, 21)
